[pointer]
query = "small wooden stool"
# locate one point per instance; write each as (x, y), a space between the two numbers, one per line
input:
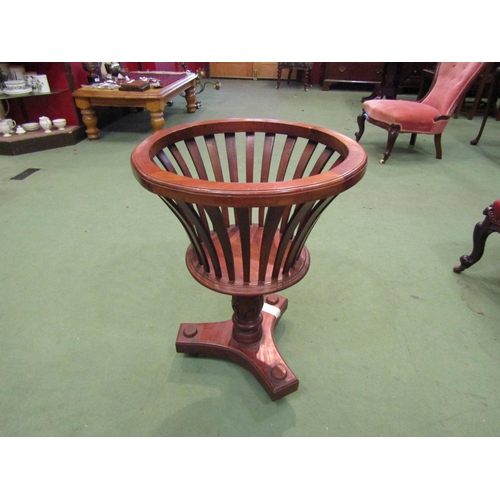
(304, 67)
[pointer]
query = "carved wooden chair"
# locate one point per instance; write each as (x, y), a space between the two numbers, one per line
(304, 67)
(490, 224)
(427, 116)
(248, 193)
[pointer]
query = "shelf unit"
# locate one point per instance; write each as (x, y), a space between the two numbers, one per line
(56, 104)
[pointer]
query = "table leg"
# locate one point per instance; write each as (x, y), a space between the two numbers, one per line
(156, 115)
(89, 118)
(157, 120)
(191, 97)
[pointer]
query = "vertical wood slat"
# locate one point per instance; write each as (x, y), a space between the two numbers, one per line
(267, 154)
(304, 159)
(180, 160)
(250, 157)
(338, 161)
(303, 231)
(243, 221)
(299, 171)
(198, 162)
(285, 157)
(297, 217)
(164, 160)
(191, 232)
(197, 159)
(322, 161)
(220, 229)
(203, 232)
(250, 154)
(232, 157)
(271, 224)
(213, 152)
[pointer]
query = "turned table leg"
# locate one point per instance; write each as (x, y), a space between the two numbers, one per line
(89, 118)
(191, 98)
(156, 117)
(157, 120)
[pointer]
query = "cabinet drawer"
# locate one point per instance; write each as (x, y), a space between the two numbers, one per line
(352, 72)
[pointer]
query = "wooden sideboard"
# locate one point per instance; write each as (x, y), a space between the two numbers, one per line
(352, 72)
(388, 78)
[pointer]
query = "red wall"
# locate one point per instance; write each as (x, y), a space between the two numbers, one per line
(29, 109)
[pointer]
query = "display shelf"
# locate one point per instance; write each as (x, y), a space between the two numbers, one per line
(5, 97)
(39, 140)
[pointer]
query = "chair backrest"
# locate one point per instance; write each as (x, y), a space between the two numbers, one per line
(451, 82)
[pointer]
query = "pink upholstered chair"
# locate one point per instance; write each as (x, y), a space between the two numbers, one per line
(490, 224)
(429, 115)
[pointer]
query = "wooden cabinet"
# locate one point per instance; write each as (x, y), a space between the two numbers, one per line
(352, 72)
(256, 70)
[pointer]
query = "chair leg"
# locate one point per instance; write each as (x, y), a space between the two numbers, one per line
(437, 143)
(481, 232)
(361, 126)
(391, 139)
(279, 78)
(458, 109)
(306, 79)
(413, 139)
(478, 98)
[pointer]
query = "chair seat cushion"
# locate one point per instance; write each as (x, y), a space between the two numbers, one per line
(411, 116)
(495, 212)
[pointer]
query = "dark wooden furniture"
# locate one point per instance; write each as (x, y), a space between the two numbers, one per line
(352, 72)
(490, 224)
(248, 193)
(303, 68)
(154, 99)
(399, 78)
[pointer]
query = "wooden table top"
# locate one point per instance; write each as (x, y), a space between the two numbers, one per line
(171, 83)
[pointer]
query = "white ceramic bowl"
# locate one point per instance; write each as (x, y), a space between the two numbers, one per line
(30, 127)
(60, 123)
(15, 84)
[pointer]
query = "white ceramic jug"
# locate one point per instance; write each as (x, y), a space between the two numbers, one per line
(45, 123)
(10, 122)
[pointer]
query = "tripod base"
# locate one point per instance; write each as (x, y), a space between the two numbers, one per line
(261, 358)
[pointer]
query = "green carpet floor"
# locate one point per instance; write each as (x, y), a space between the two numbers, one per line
(385, 339)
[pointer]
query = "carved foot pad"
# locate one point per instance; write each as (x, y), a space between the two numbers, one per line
(262, 358)
(465, 263)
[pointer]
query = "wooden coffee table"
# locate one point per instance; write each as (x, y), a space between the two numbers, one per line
(153, 99)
